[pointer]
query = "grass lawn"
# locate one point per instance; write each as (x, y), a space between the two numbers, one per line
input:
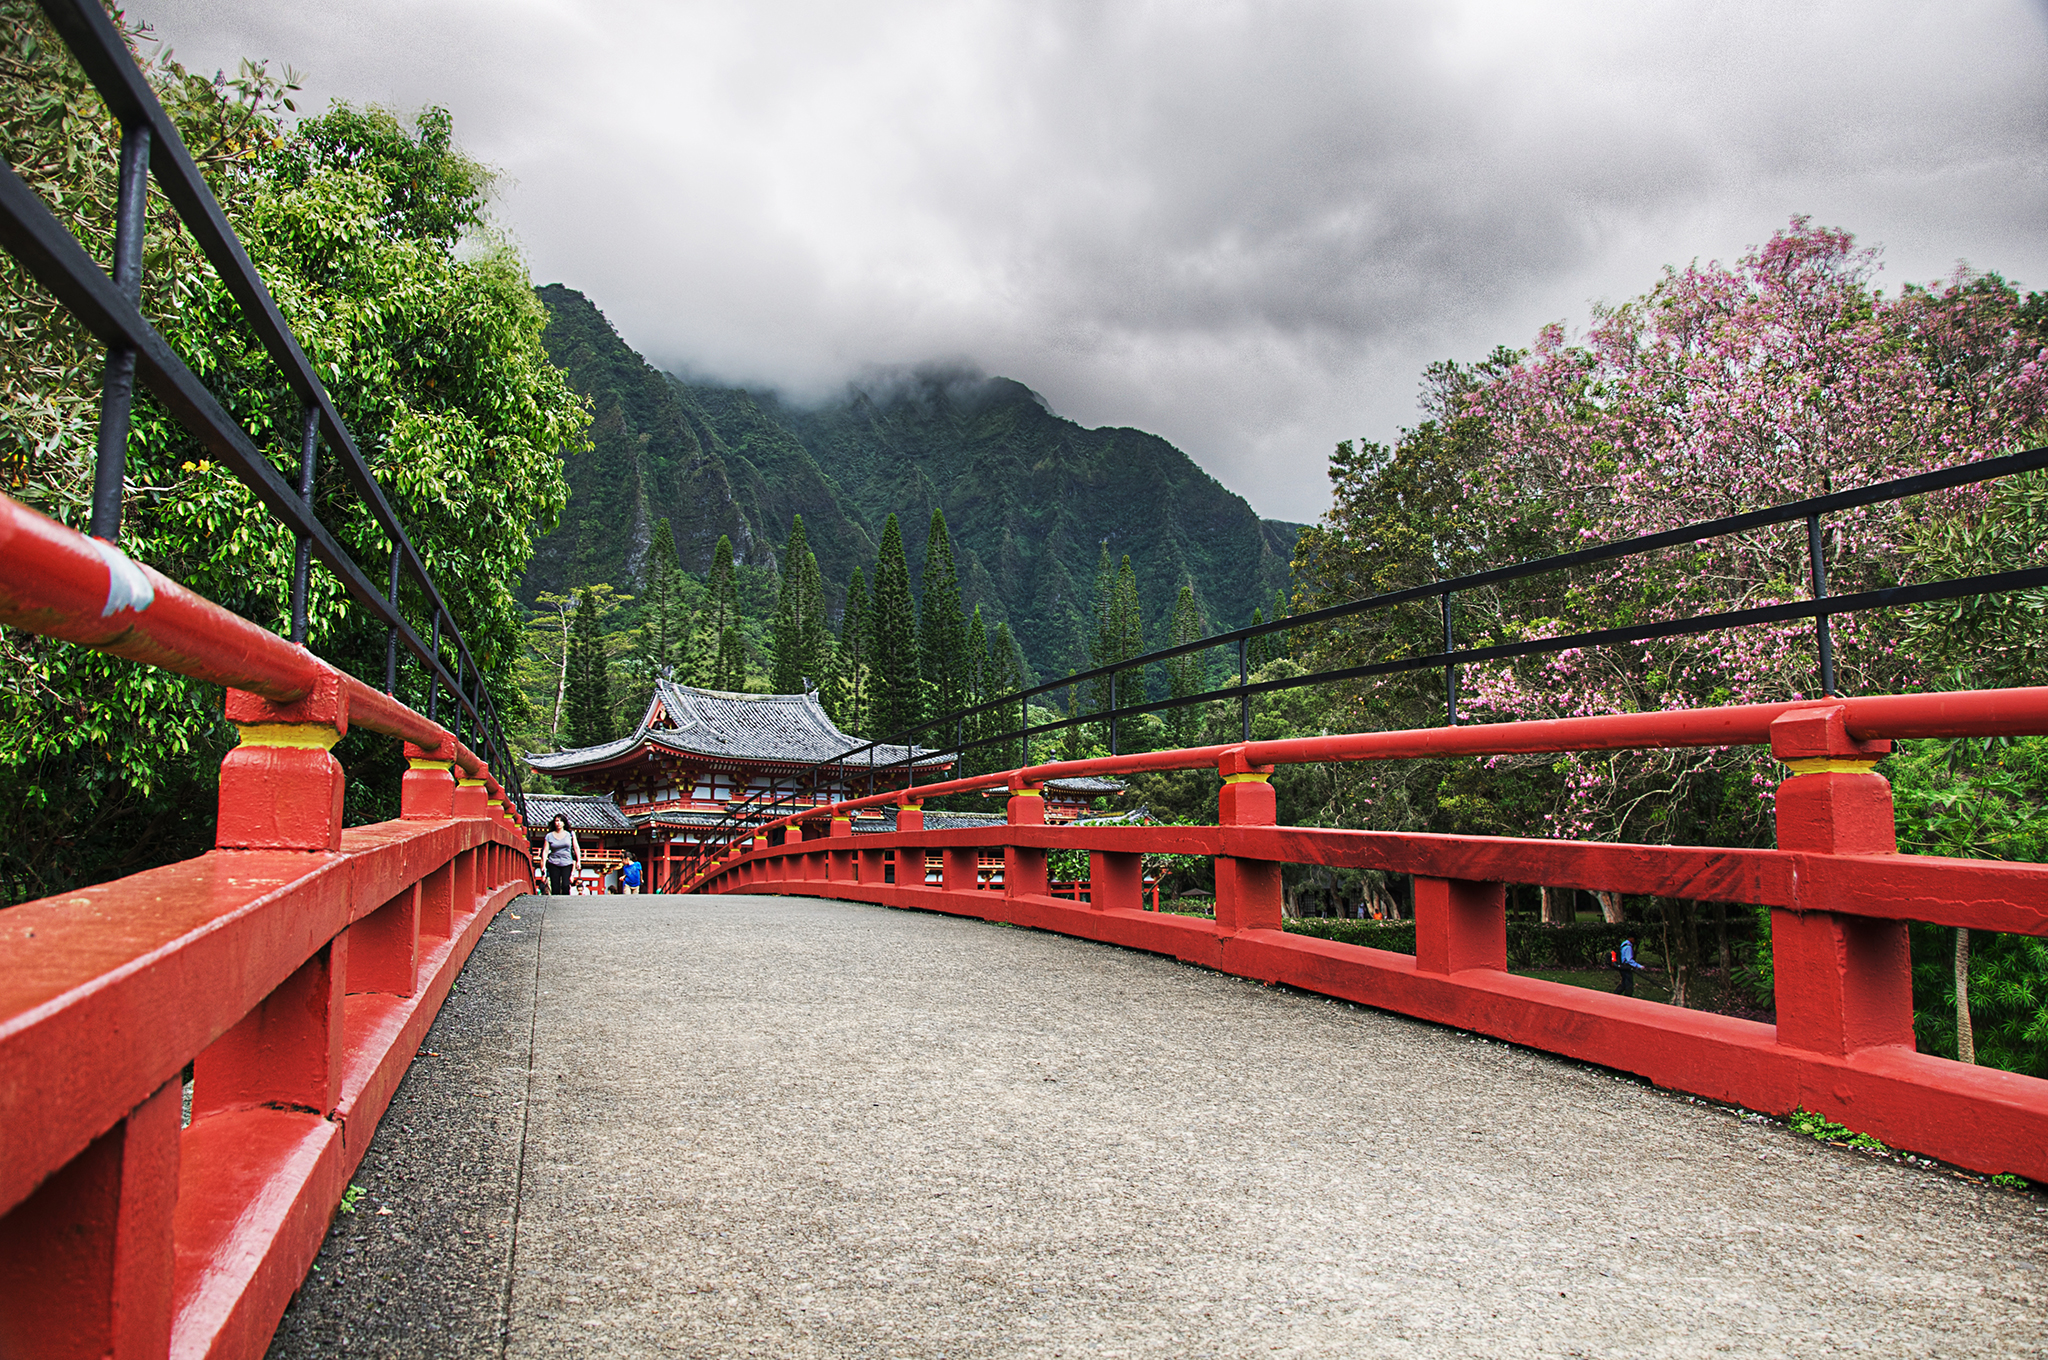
(1649, 986)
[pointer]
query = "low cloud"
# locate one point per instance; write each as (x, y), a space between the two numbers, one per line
(1245, 226)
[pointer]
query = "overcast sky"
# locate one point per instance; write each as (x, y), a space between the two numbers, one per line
(1244, 226)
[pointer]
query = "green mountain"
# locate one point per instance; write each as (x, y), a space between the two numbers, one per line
(1028, 496)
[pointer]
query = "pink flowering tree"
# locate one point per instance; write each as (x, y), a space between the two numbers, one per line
(1726, 389)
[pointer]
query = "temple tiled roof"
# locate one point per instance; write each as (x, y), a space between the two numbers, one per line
(592, 812)
(1090, 784)
(933, 821)
(779, 728)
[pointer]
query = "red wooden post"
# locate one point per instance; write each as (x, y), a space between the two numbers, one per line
(958, 868)
(842, 854)
(280, 789)
(437, 903)
(1843, 983)
(470, 795)
(462, 888)
(910, 863)
(384, 947)
(427, 790)
(1247, 890)
(1023, 865)
(1460, 924)
(287, 1051)
(872, 867)
(1116, 880)
(88, 1257)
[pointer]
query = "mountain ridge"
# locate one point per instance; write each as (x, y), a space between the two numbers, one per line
(1028, 495)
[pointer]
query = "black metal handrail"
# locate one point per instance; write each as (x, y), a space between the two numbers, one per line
(1819, 608)
(109, 307)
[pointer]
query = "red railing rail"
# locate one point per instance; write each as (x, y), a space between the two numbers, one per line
(1839, 893)
(294, 971)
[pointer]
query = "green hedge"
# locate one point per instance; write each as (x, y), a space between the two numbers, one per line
(1530, 945)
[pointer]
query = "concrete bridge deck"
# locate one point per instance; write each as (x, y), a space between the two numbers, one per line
(742, 1126)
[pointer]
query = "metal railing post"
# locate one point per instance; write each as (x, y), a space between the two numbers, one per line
(391, 634)
(1244, 701)
(1822, 637)
(117, 395)
(434, 672)
(1450, 668)
(309, 457)
(1112, 713)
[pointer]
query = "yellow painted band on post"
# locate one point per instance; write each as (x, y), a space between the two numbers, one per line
(430, 764)
(469, 783)
(911, 807)
(1027, 793)
(301, 736)
(1247, 778)
(1830, 765)
(847, 820)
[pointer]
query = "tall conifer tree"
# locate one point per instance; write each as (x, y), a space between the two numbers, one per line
(589, 682)
(814, 631)
(1185, 675)
(1006, 677)
(719, 657)
(662, 642)
(898, 683)
(847, 700)
(802, 636)
(942, 628)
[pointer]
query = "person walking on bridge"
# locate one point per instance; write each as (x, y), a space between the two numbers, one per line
(563, 856)
(1625, 960)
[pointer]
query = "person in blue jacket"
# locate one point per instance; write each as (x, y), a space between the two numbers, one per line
(629, 878)
(1625, 960)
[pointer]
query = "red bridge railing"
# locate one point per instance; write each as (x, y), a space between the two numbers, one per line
(292, 972)
(1839, 892)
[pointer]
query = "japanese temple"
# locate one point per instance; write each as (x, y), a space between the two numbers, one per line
(702, 757)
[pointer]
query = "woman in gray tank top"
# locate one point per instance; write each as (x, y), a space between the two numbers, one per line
(562, 856)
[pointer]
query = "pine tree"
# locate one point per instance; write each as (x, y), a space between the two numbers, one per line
(976, 667)
(941, 628)
(717, 658)
(589, 681)
(1185, 675)
(661, 644)
(1006, 678)
(1130, 642)
(802, 637)
(892, 634)
(1102, 651)
(847, 698)
(814, 626)
(1258, 650)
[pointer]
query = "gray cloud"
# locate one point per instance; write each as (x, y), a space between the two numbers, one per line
(1246, 226)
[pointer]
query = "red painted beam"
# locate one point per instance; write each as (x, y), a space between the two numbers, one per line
(106, 993)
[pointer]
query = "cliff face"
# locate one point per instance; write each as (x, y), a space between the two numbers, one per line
(1028, 496)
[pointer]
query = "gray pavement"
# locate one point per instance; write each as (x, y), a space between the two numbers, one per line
(790, 1127)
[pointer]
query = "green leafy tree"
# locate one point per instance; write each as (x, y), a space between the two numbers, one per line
(427, 333)
(847, 697)
(898, 683)
(941, 627)
(1119, 636)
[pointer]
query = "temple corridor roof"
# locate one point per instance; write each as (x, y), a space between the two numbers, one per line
(790, 729)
